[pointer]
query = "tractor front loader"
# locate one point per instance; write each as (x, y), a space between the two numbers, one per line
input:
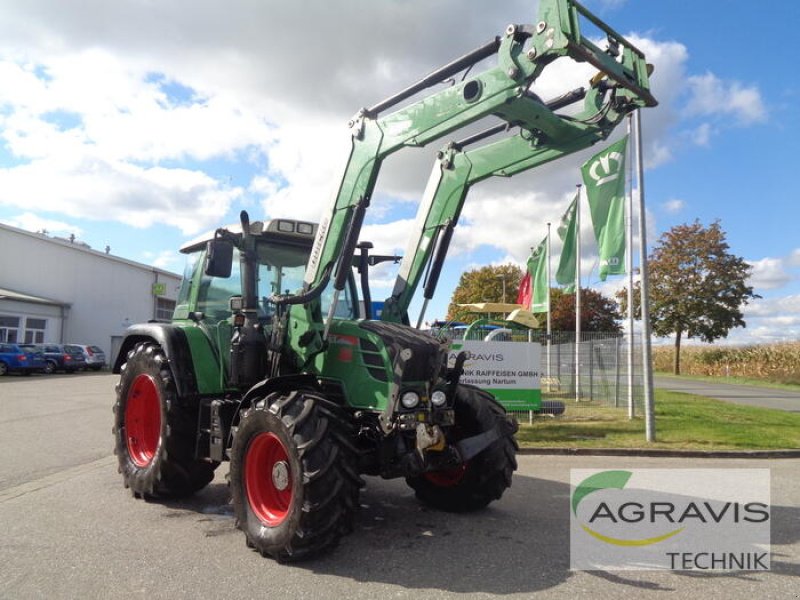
(270, 362)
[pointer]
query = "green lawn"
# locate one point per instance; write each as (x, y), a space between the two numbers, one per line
(683, 422)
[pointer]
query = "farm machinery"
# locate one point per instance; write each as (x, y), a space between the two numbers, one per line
(272, 363)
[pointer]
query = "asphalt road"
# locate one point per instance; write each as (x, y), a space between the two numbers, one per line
(70, 530)
(750, 395)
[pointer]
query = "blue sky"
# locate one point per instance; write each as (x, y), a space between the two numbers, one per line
(138, 128)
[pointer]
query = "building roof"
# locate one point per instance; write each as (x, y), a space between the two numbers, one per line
(20, 297)
(83, 247)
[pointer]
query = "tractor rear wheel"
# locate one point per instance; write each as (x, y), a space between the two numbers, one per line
(154, 433)
(484, 477)
(294, 477)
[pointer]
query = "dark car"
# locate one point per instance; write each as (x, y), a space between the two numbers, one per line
(68, 358)
(16, 358)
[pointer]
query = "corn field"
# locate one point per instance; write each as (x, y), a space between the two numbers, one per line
(778, 363)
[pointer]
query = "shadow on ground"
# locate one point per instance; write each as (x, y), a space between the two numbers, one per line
(518, 545)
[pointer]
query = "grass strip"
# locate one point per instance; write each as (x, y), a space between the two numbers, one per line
(683, 422)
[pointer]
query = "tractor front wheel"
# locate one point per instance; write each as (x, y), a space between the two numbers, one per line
(484, 477)
(294, 478)
(154, 434)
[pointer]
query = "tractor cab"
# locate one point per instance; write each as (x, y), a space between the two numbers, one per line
(213, 275)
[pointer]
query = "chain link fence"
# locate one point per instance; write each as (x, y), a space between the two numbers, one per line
(606, 375)
(609, 372)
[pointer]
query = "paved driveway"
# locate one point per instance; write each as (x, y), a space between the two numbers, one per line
(740, 394)
(70, 529)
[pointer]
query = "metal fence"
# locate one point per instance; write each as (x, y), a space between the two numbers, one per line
(609, 365)
(606, 376)
(609, 370)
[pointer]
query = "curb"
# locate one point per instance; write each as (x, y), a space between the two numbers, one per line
(659, 453)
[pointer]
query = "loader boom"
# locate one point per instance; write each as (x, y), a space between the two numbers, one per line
(522, 53)
(457, 170)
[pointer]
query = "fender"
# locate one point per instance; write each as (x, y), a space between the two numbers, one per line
(173, 341)
(281, 383)
(265, 387)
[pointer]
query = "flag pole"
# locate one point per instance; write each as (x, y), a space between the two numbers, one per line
(530, 333)
(629, 265)
(578, 295)
(549, 322)
(647, 364)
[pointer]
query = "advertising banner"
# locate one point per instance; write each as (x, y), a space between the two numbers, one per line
(507, 370)
(672, 519)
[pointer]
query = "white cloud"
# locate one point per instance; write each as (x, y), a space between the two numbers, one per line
(32, 222)
(674, 205)
(166, 259)
(712, 96)
(702, 135)
(770, 320)
(768, 274)
(237, 102)
(794, 258)
(90, 188)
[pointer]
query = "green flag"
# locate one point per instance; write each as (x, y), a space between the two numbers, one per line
(565, 274)
(604, 177)
(537, 268)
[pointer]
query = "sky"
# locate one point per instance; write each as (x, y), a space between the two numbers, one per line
(139, 124)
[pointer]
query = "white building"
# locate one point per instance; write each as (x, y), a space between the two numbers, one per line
(61, 291)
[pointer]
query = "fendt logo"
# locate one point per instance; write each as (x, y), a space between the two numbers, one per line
(716, 519)
(606, 168)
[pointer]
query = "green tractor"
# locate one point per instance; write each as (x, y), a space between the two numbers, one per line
(271, 360)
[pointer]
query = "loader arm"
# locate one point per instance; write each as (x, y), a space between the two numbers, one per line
(457, 170)
(521, 54)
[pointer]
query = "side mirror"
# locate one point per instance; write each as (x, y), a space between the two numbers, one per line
(219, 258)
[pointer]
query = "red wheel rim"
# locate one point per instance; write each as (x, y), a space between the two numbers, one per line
(143, 420)
(268, 479)
(448, 477)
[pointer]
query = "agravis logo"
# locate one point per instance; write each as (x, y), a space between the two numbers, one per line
(716, 519)
(615, 480)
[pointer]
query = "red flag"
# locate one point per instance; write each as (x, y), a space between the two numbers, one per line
(525, 294)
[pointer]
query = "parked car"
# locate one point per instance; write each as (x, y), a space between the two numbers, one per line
(35, 356)
(94, 356)
(68, 358)
(16, 358)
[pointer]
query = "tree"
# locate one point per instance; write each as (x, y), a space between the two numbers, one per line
(598, 313)
(484, 285)
(697, 287)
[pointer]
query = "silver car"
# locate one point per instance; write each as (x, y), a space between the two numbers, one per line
(94, 355)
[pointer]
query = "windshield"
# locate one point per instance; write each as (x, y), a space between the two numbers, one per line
(280, 271)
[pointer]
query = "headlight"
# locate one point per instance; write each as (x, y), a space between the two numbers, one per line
(409, 399)
(438, 398)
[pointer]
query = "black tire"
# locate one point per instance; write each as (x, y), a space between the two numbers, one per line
(486, 476)
(294, 478)
(154, 431)
(3, 369)
(50, 367)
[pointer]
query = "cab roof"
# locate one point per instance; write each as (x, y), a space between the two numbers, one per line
(286, 229)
